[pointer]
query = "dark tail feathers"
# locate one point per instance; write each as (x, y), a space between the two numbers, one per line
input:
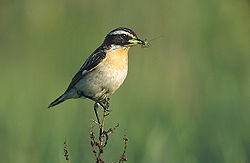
(57, 101)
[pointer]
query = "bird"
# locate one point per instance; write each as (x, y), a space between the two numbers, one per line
(104, 71)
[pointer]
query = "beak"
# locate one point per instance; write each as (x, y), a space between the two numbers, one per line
(136, 42)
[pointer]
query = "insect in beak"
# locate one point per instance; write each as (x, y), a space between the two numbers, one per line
(145, 44)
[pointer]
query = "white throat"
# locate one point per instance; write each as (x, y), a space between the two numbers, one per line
(115, 47)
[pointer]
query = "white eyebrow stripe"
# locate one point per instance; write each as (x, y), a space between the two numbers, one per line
(121, 32)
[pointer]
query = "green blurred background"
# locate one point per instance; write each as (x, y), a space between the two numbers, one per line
(186, 98)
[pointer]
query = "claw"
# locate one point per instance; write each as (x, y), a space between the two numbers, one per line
(106, 114)
(105, 105)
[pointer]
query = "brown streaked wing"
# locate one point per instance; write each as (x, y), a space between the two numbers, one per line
(93, 60)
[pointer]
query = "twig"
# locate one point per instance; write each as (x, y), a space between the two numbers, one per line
(102, 133)
(93, 143)
(66, 153)
(99, 159)
(123, 157)
(100, 144)
(111, 130)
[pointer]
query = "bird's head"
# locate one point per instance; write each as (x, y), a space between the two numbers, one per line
(122, 37)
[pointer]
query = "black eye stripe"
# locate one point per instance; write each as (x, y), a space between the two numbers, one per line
(117, 39)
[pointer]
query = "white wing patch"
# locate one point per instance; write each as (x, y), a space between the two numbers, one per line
(84, 72)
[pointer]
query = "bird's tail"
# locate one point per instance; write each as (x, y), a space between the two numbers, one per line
(58, 101)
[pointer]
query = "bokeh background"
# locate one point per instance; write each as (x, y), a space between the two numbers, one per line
(186, 98)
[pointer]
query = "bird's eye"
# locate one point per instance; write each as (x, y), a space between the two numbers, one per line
(123, 36)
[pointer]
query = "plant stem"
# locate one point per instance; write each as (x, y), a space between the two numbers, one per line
(101, 139)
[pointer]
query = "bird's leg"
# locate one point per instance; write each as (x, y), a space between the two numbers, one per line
(105, 105)
(96, 105)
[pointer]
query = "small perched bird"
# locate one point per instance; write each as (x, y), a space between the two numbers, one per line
(104, 71)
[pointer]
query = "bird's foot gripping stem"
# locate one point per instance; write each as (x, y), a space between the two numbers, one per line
(105, 105)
